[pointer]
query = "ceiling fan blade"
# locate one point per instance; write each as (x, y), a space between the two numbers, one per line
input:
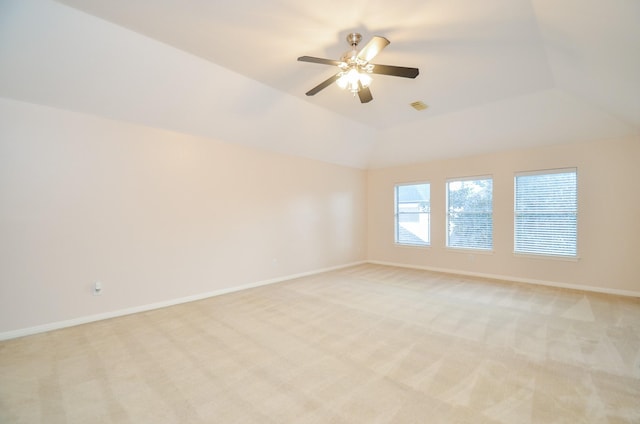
(318, 60)
(324, 84)
(364, 93)
(396, 71)
(372, 48)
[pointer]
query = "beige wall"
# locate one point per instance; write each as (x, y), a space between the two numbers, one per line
(155, 215)
(608, 216)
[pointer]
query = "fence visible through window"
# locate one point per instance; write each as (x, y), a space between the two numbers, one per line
(413, 214)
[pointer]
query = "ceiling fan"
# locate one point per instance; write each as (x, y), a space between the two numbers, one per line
(355, 67)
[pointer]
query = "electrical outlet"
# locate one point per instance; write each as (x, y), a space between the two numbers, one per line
(97, 288)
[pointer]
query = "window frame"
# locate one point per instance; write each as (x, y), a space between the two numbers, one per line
(545, 255)
(396, 215)
(447, 214)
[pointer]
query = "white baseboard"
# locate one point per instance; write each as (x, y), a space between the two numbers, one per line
(143, 308)
(514, 279)
(171, 302)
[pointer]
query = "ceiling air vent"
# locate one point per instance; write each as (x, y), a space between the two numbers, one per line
(419, 105)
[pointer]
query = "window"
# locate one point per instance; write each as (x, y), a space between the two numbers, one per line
(413, 214)
(546, 212)
(470, 213)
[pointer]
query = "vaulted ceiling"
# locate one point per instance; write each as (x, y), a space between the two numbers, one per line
(496, 74)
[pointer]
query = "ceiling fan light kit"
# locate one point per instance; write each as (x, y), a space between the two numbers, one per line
(355, 68)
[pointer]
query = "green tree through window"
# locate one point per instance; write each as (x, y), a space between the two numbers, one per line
(470, 213)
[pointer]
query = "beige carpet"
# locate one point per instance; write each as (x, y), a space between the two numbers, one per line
(368, 344)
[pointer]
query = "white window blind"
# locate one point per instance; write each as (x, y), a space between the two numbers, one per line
(413, 214)
(470, 213)
(546, 212)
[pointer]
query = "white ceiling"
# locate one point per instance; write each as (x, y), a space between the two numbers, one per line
(496, 74)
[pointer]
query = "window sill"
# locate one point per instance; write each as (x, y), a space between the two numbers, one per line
(408, 245)
(545, 257)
